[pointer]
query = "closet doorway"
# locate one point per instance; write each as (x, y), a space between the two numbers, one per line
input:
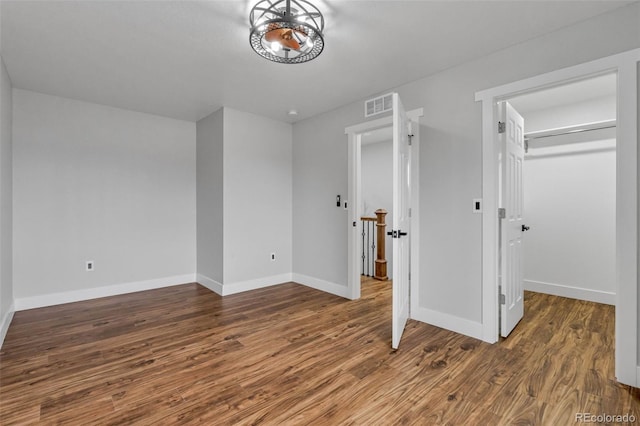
(569, 188)
(625, 66)
(557, 195)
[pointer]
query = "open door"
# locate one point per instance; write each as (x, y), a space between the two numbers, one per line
(512, 227)
(401, 220)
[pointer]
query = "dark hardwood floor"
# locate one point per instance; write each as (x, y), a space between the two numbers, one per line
(291, 355)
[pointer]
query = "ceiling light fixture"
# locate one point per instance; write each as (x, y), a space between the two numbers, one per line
(286, 31)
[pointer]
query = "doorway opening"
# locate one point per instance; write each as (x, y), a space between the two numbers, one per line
(566, 196)
(404, 228)
(376, 181)
(625, 65)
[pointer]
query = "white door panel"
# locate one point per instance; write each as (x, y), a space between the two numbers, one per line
(512, 274)
(401, 220)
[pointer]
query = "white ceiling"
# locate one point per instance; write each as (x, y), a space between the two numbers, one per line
(186, 59)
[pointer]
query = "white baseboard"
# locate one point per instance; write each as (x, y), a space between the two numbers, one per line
(209, 283)
(6, 321)
(598, 296)
(241, 286)
(448, 322)
(318, 284)
(52, 299)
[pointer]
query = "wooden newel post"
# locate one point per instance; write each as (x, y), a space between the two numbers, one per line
(381, 262)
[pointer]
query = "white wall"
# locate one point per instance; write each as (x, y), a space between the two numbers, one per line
(257, 198)
(319, 174)
(594, 110)
(377, 187)
(103, 184)
(570, 205)
(450, 166)
(638, 262)
(244, 201)
(6, 203)
(210, 175)
(377, 178)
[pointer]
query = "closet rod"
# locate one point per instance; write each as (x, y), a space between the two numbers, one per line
(600, 125)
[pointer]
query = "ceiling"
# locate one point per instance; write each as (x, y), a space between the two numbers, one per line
(186, 59)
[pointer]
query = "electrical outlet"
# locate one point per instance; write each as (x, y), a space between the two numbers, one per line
(89, 266)
(273, 257)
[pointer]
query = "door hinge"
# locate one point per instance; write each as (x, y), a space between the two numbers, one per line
(410, 139)
(502, 127)
(502, 213)
(502, 299)
(409, 276)
(409, 211)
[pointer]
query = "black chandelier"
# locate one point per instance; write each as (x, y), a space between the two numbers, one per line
(286, 31)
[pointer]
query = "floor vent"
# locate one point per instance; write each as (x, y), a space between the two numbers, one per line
(378, 105)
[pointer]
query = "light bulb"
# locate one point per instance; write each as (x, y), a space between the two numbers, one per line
(275, 46)
(309, 43)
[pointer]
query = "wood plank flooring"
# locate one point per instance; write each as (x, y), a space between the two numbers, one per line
(291, 355)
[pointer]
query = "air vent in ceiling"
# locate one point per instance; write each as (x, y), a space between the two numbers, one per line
(378, 105)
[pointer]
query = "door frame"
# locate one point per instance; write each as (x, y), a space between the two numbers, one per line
(626, 314)
(354, 244)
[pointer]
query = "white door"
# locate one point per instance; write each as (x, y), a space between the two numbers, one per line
(401, 220)
(512, 226)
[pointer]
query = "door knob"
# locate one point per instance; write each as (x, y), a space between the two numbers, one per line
(525, 228)
(396, 234)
